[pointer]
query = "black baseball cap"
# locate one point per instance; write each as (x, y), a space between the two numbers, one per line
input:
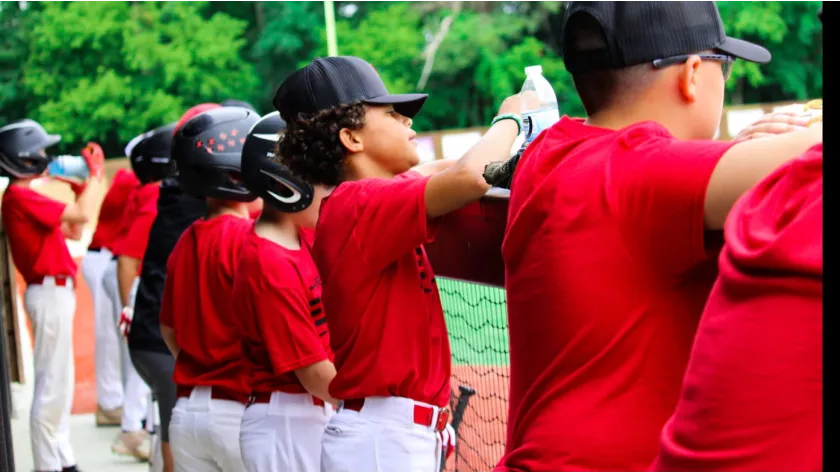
(339, 80)
(640, 32)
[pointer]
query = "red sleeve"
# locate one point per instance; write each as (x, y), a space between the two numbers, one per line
(137, 238)
(391, 218)
(659, 185)
(41, 209)
(289, 329)
(134, 242)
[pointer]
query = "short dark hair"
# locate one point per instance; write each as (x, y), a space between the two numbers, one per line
(311, 147)
(603, 88)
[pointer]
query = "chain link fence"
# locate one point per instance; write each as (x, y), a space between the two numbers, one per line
(476, 317)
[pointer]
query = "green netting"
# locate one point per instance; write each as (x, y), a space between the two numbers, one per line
(476, 317)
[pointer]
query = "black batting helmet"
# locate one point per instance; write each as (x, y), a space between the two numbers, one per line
(208, 152)
(21, 143)
(150, 154)
(267, 178)
(237, 103)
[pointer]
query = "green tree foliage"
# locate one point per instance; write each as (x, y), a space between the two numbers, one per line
(15, 22)
(793, 34)
(112, 70)
(288, 36)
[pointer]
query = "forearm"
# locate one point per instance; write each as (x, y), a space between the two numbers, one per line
(749, 162)
(494, 146)
(86, 200)
(128, 269)
(316, 379)
(72, 231)
(500, 174)
(463, 182)
(168, 335)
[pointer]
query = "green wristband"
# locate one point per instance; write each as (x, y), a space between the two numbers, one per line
(509, 116)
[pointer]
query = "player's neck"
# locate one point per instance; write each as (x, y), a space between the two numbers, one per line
(278, 228)
(362, 166)
(219, 207)
(621, 117)
(23, 181)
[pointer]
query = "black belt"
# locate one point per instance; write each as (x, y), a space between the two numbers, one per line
(96, 250)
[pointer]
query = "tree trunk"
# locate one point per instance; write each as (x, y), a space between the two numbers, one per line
(259, 14)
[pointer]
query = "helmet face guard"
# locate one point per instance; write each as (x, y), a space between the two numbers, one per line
(21, 149)
(208, 152)
(267, 178)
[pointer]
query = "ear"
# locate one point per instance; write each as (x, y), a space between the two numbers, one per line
(688, 78)
(351, 140)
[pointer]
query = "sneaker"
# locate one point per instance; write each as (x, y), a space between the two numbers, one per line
(108, 418)
(136, 444)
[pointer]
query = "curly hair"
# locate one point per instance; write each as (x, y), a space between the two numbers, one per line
(311, 147)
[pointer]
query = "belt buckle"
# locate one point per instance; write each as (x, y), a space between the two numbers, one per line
(442, 419)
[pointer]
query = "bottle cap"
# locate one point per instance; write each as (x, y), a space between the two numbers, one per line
(533, 70)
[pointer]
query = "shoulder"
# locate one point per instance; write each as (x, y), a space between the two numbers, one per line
(651, 141)
(275, 266)
(125, 177)
(779, 223)
(22, 197)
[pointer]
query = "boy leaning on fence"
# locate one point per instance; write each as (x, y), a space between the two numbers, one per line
(607, 248)
(387, 329)
(37, 227)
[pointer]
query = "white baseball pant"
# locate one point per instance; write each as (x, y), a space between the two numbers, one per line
(204, 433)
(381, 437)
(284, 434)
(51, 309)
(136, 391)
(109, 384)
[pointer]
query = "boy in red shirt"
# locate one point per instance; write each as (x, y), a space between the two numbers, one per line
(198, 319)
(109, 386)
(149, 354)
(37, 227)
(150, 161)
(608, 263)
(285, 340)
(387, 329)
(752, 395)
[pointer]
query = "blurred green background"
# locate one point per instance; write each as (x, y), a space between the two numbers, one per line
(111, 70)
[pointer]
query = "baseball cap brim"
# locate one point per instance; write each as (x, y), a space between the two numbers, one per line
(51, 140)
(745, 50)
(408, 105)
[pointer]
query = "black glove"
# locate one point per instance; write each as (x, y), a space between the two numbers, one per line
(500, 173)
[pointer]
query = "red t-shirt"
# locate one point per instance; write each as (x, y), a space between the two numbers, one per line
(137, 221)
(607, 271)
(386, 322)
(32, 223)
(283, 325)
(197, 302)
(113, 207)
(752, 395)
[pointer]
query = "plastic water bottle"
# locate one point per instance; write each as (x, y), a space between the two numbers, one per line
(69, 166)
(539, 113)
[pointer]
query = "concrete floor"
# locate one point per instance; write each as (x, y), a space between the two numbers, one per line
(91, 445)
